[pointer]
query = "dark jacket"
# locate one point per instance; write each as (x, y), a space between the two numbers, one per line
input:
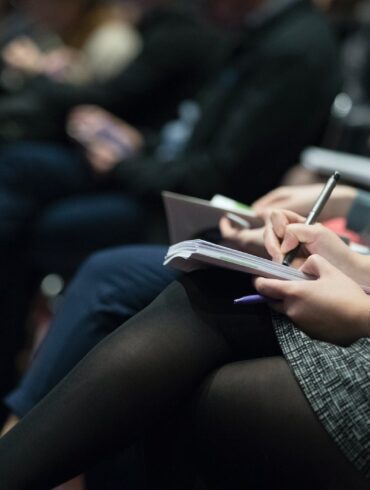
(270, 99)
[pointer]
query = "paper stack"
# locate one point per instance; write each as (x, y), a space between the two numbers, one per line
(191, 255)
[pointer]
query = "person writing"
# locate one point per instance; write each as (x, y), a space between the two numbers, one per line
(301, 380)
(114, 285)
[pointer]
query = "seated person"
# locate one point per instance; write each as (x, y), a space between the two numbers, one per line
(88, 40)
(145, 93)
(114, 285)
(250, 118)
(53, 225)
(276, 399)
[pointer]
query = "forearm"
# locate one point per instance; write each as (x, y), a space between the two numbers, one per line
(193, 174)
(361, 269)
(342, 201)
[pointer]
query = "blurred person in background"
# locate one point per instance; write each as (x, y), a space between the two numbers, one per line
(145, 94)
(81, 41)
(269, 99)
(248, 121)
(66, 222)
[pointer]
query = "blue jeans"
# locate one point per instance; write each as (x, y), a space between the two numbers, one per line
(54, 213)
(110, 288)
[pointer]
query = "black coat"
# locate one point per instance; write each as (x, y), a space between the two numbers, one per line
(271, 98)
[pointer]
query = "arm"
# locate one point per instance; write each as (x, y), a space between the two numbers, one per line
(144, 86)
(300, 199)
(227, 140)
(346, 202)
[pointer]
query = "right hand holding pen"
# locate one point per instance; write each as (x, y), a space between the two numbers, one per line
(285, 230)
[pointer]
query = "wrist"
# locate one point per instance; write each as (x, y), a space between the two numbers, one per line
(345, 198)
(360, 268)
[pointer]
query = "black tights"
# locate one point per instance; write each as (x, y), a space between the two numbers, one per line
(251, 419)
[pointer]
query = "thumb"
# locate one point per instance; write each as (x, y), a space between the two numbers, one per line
(316, 266)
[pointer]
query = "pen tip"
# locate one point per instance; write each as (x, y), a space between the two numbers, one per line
(336, 175)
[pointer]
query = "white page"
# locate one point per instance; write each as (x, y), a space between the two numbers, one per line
(196, 254)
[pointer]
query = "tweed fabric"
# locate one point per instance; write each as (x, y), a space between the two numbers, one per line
(336, 382)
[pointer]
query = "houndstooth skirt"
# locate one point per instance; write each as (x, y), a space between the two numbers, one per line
(336, 382)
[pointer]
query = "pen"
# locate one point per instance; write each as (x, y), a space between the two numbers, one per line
(316, 210)
(252, 299)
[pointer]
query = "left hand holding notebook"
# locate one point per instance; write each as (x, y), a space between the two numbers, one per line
(332, 308)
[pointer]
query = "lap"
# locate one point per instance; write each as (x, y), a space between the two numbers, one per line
(77, 226)
(264, 433)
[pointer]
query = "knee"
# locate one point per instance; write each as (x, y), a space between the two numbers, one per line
(98, 266)
(239, 395)
(107, 265)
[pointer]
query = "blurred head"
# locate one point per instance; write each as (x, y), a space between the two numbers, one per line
(231, 13)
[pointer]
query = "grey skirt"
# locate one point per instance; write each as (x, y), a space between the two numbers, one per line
(336, 382)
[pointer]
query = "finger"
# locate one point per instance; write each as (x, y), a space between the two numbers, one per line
(282, 217)
(279, 222)
(272, 288)
(300, 233)
(317, 266)
(226, 228)
(272, 243)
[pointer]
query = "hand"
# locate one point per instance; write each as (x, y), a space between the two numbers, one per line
(301, 199)
(58, 63)
(24, 55)
(332, 308)
(250, 241)
(107, 139)
(285, 230)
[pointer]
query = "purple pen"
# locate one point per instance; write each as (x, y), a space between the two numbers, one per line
(252, 299)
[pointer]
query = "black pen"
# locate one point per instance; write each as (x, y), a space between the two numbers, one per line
(316, 210)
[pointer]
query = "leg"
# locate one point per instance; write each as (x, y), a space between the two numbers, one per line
(73, 228)
(132, 381)
(111, 287)
(32, 176)
(28, 179)
(257, 430)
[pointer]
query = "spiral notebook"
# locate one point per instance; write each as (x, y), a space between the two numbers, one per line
(191, 255)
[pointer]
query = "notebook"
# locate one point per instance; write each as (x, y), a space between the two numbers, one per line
(188, 217)
(191, 255)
